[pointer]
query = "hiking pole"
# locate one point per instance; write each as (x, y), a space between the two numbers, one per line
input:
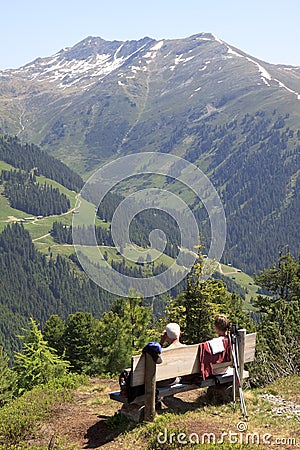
(236, 375)
(238, 379)
(241, 394)
(233, 379)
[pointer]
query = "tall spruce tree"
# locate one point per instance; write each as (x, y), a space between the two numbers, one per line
(53, 332)
(278, 349)
(37, 363)
(122, 332)
(79, 340)
(202, 299)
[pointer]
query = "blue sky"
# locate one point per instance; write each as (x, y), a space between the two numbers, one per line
(269, 29)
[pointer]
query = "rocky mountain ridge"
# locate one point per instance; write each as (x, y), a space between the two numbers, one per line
(94, 58)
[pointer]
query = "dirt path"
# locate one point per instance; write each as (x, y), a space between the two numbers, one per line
(83, 421)
(40, 237)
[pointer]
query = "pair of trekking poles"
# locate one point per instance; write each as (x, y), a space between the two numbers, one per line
(237, 382)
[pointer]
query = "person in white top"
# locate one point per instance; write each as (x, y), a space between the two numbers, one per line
(222, 326)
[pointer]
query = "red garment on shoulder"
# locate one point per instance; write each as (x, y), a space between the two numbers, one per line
(207, 359)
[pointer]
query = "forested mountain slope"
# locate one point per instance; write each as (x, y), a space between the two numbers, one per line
(32, 285)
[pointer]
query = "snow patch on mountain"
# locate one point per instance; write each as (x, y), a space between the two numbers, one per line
(217, 39)
(179, 59)
(287, 88)
(152, 53)
(136, 69)
(68, 72)
(157, 46)
(265, 75)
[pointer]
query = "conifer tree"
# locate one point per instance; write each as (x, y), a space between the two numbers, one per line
(37, 363)
(53, 332)
(282, 280)
(202, 299)
(278, 349)
(122, 332)
(79, 339)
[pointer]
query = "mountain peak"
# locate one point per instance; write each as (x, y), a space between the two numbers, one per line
(87, 61)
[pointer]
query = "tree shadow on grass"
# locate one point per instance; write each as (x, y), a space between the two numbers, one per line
(107, 429)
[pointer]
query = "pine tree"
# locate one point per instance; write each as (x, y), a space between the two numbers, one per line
(37, 363)
(282, 280)
(53, 332)
(122, 332)
(79, 339)
(278, 349)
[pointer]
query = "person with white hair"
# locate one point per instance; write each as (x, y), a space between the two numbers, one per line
(171, 335)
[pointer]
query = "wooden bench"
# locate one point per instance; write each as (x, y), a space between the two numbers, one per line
(178, 362)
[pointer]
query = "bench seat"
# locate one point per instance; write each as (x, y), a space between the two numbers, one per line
(181, 387)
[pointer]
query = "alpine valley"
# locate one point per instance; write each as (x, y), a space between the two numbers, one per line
(236, 117)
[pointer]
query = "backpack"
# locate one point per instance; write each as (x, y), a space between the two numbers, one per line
(127, 391)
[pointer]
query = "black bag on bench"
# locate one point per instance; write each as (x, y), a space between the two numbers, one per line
(128, 391)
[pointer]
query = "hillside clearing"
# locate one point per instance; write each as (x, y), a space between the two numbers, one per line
(91, 421)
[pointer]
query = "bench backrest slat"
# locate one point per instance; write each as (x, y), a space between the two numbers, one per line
(177, 361)
(250, 344)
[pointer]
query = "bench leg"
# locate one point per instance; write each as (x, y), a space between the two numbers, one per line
(133, 411)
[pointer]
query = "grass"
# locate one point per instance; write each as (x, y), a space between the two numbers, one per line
(288, 388)
(6, 166)
(6, 211)
(36, 228)
(227, 269)
(197, 422)
(113, 255)
(262, 424)
(241, 278)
